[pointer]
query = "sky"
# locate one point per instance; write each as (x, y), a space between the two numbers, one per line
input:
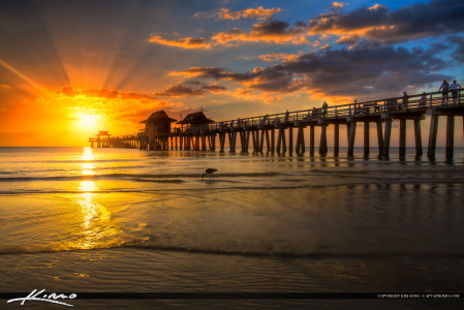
(71, 68)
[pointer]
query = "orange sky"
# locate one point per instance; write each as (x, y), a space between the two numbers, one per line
(71, 68)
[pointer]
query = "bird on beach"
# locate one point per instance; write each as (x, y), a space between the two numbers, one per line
(209, 172)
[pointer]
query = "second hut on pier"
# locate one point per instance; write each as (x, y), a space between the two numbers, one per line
(195, 120)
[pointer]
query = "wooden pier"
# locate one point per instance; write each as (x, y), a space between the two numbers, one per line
(285, 132)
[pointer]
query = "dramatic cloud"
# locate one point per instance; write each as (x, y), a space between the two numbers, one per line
(104, 93)
(338, 5)
(215, 89)
(458, 54)
(199, 72)
(438, 17)
(271, 31)
(183, 43)
(181, 90)
(260, 79)
(259, 13)
(345, 72)
(376, 23)
(249, 95)
(275, 57)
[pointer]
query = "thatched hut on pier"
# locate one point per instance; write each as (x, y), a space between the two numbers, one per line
(158, 123)
(196, 119)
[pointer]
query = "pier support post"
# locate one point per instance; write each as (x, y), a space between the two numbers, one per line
(203, 142)
(255, 134)
(242, 141)
(311, 140)
(402, 137)
(213, 141)
(418, 137)
(450, 136)
(300, 144)
(366, 139)
(279, 140)
(284, 143)
(232, 140)
(336, 139)
(261, 141)
(351, 138)
(290, 140)
(387, 138)
(268, 142)
(379, 138)
(272, 140)
(247, 140)
(433, 136)
(181, 142)
(323, 141)
(222, 140)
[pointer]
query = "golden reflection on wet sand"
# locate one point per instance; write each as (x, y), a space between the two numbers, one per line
(98, 230)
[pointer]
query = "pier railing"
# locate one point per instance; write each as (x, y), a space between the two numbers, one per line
(395, 105)
(276, 130)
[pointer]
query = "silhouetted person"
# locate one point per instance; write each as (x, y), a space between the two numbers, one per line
(325, 107)
(423, 100)
(455, 87)
(445, 88)
(315, 112)
(405, 100)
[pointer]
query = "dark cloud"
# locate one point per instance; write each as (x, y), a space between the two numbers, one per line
(214, 88)
(458, 54)
(181, 90)
(200, 71)
(365, 70)
(269, 31)
(257, 13)
(380, 70)
(438, 17)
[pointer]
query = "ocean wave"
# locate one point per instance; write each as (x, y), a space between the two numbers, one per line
(245, 253)
(132, 177)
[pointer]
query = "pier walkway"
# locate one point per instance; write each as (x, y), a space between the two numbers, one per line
(285, 132)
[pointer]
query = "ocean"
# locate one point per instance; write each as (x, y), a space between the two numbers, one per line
(126, 221)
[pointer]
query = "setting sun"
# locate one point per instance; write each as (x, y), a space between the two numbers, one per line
(89, 121)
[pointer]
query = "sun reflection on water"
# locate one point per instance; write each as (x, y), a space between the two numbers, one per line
(88, 167)
(88, 154)
(97, 227)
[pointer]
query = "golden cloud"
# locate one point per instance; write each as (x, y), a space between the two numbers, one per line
(270, 31)
(259, 13)
(183, 43)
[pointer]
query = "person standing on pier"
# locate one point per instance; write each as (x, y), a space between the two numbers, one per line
(325, 107)
(405, 100)
(455, 87)
(445, 88)
(423, 100)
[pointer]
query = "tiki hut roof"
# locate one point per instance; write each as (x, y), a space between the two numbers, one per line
(196, 118)
(159, 117)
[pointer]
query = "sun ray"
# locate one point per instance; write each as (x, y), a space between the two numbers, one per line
(25, 78)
